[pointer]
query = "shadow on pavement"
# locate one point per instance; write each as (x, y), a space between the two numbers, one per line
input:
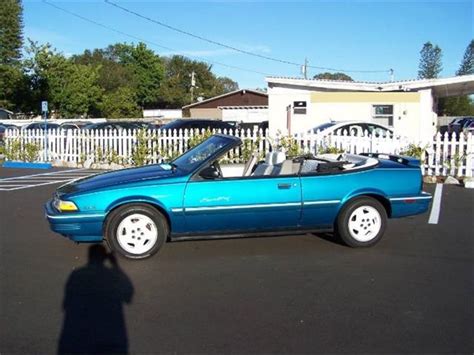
(94, 295)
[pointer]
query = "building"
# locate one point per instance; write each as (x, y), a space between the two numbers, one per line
(409, 107)
(163, 114)
(241, 105)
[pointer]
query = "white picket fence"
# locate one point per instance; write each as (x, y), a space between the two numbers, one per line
(442, 156)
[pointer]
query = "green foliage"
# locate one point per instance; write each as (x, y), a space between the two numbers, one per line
(226, 84)
(121, 103)
(333, 76)
(198, 138)
(11, 39)
(460, 105)
(15, 150)
(289, 145)
(71, 89)
(467, 64)
(456, 106)
(430, 61)
(176, 87)
(330, 150)
(147, 68)
(141, 152)
(413, 150)
(250, 147)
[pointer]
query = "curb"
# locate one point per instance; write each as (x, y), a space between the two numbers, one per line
(26, 165)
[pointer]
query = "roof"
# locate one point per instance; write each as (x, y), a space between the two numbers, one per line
(224, 95)
(451, 86)
(250, 107)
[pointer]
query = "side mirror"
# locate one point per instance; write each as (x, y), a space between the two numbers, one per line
(209, 173)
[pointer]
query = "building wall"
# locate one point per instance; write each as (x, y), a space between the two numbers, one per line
(245, 115)
(412, 111)
(163, 113)
(205, 113)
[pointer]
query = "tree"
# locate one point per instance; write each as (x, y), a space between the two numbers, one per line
(121, 103)
(176, 89)
(71, 89)
(227, 84)
(11, 41)
(460, 105)
(11, 38)
(430, 61)
(112, 73)
(147, 69)
(333, 76)
(467, 64)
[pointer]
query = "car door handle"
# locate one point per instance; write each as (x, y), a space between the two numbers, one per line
(284, 186)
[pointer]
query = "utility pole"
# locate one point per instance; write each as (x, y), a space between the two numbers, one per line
(304, 68)
(193, 84)
(391, 74)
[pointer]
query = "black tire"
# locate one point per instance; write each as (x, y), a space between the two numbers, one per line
(357, 231)
(155, 230)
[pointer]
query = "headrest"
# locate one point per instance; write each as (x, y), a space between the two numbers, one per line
(269, 158)
(279, 157)
(274, 158)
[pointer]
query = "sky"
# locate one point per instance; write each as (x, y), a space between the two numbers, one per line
(353, 36)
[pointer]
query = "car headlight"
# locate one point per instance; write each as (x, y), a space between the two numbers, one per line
(65, 206)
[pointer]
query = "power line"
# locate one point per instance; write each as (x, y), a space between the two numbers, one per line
(160, 23)
(150, 42)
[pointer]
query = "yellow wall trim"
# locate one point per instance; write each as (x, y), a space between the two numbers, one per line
(370, 97)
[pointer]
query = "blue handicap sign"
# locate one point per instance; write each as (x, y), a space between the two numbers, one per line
(44, 106)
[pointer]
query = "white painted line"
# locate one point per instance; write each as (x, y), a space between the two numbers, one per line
(11, 185)
(36, 185)
(15, 188)
(43, 174)
(436, 207)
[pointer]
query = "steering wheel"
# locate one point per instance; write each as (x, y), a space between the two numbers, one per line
(217, 166)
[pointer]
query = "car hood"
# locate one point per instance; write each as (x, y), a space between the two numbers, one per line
(119, 177)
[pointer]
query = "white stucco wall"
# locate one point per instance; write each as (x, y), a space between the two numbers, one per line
(246, 115)
(413, 118)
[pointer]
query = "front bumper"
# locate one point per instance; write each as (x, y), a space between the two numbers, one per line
(410, 205)
(77, 226)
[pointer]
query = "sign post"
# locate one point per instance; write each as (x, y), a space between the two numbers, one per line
(44, 111)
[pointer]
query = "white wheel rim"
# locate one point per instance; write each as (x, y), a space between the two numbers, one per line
(137, 234)
(364, 223)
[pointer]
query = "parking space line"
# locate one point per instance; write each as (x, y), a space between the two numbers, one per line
(43, 174)
(436, 207)
(36, 180)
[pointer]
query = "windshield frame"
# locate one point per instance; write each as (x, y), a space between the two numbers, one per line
(231, 143)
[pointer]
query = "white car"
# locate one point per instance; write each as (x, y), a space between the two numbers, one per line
(469, 128)
(354, 128)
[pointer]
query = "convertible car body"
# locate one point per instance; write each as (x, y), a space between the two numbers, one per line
(136, 210)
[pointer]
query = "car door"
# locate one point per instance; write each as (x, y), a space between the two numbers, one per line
(242, 204)
(321, 196)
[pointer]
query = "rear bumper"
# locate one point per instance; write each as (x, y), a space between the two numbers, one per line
(410, 205)
(79, 227)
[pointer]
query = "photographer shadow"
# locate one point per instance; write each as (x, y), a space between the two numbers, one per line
(94, 295)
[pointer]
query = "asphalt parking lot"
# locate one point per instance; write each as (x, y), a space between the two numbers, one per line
(413, 292)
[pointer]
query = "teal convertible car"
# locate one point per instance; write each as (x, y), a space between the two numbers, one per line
(136, 210)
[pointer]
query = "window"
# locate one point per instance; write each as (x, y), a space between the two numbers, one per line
(299, 107)
(383, 114)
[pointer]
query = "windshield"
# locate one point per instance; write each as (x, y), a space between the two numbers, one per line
(323, 126)
(195, 156)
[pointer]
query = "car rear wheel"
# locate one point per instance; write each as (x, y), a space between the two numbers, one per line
(136, 231)
(362, 222)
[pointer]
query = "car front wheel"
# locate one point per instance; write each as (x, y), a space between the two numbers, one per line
(362, 222)
(136, 231)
